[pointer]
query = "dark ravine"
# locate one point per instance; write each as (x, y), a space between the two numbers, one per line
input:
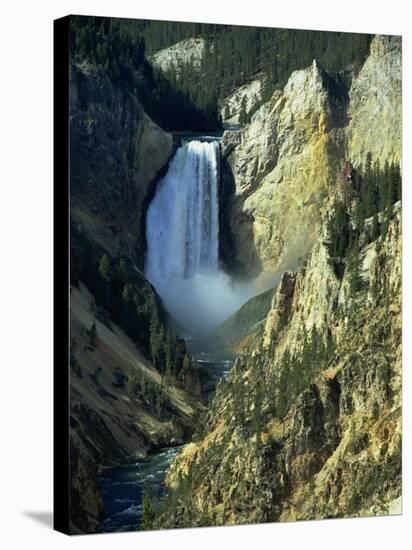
(108, 218)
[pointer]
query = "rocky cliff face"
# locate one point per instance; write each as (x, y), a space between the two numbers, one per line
(116, 154)
(231, 105)
(337, 450)
(282, 170)
(293, 149)
(376, 102)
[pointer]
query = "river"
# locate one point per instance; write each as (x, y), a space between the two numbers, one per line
(122, 486)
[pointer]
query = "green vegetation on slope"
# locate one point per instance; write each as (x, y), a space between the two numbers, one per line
(129, 301)
(239, 52)
(294, 432)
(369, 193)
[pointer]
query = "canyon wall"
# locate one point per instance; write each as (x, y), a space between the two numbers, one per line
(375, 108)
(293, 151)
(308, 424)
(176, 57)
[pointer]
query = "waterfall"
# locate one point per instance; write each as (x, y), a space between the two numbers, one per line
(182, 232)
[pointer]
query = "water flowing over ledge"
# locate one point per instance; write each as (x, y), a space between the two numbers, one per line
(182, 231)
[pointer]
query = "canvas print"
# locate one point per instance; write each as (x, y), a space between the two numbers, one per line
(235, 274)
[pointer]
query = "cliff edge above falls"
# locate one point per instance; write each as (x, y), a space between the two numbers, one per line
(291, 153)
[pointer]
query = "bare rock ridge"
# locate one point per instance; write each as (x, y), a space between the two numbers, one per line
(376, 102)
(282, 170)
(248, 95)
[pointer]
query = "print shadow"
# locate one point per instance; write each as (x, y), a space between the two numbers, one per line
(44, 518)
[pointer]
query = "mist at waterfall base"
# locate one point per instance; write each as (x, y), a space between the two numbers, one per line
(182, 231)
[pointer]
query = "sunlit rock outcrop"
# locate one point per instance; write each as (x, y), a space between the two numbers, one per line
(283, 167)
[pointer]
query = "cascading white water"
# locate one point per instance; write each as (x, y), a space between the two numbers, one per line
(182, 232)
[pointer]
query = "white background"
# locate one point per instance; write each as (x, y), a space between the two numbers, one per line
(26, 323)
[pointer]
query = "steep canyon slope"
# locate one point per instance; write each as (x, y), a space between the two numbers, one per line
(308, 425)
(302, 434)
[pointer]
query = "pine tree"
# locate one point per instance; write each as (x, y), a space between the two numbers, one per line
(149, 513)
(243, 113)
(257, 412)
(306, 365)
(127, 295)
(92, 336)
(384, 183)
(168, 354)
(284, 385)
(338, 229)
(355, 268)
(330, 346)
(375, 227)
(238, 401)
(74, 364)
(395, 187)
(266, 90)
(155, 342)
(105, 274)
